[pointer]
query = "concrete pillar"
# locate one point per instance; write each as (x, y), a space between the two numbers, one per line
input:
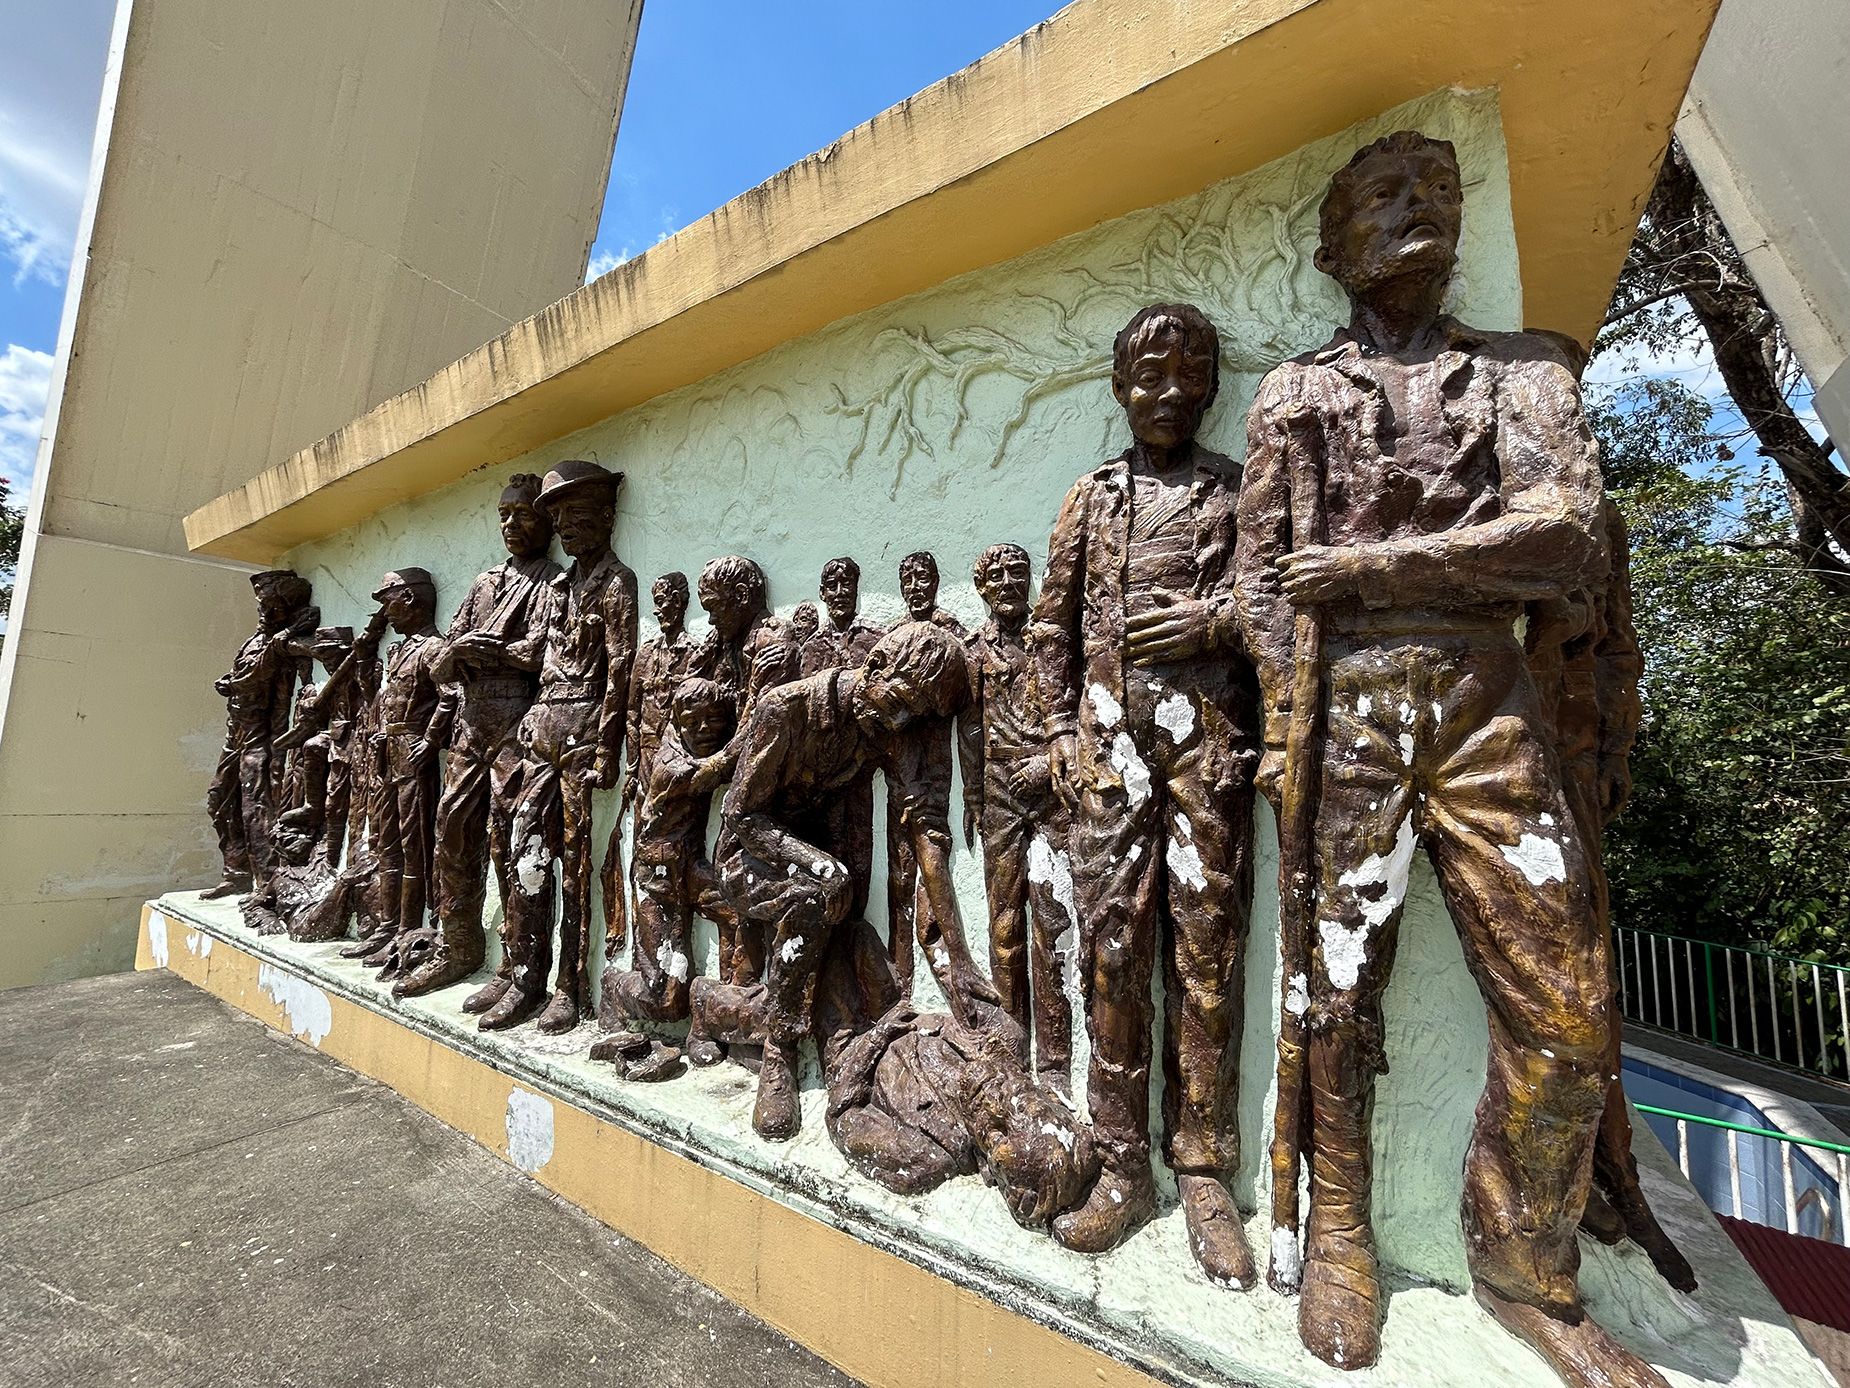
(295, 212)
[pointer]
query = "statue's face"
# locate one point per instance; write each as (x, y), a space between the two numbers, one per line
(730, 608)
(583, 522)
(1004, 587)
(841, 593)
(1403, 218)
(670, 605)
(403, 609)
(703, 729)
(804, 621)
(272, 610)
(918, 585)
(1165, 391)
(524, 528)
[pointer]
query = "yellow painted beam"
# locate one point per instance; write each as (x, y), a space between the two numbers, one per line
(1111, 106)
(820, 1286)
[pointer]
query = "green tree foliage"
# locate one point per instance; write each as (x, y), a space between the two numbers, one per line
(1739, 824)
(12, 533)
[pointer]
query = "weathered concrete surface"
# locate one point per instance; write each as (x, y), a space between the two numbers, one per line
(187, 1198)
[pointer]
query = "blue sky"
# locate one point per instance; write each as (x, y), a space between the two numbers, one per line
(723, 94)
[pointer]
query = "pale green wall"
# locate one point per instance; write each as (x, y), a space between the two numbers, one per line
(958, 418)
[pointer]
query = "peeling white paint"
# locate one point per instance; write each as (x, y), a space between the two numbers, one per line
(1185, 824)
(1345, 950)
(1406, 748)
(1287, 1260)
(1405, 711)
(157, 939)
(1361, 742)
(1388, 871)
(1053, 869)
(1297, 995)
(531, 867)
(671, 961)
(1437, 715)
(1536, 858)
(310, 1014)
(1110, 712)
(1184, 861)
(529, 1130)
(1176, 716)
(825, 869)
(1548, 821)
(1365, 705)
(1130, 768)
(199, 944)
(789, 950)
(1058, 1134)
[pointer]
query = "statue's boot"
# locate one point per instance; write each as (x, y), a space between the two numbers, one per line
(459, 952)
(490, 993)
(1579, 1350)
(369, 944)
(513, 1009)
(1340, 1298)
(563, 1013)
(1216, 1234)
(1120, 1202)
(233, 884)
(777, 1115)
(639, 1057)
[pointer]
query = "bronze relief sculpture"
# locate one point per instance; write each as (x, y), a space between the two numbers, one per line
(1151, 718)
(572, 743)
(1414, 484)
(843, 640)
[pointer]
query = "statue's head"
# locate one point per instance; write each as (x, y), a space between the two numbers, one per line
(915, 671)
(1002, 575)
(408, 598)
(525, 529)
(841, 589)
(732, 592)
(805, 621)
(918, 584)
(332, 645)
(670, 595)
(1393, 211)
(1035, 1151)
(704, 716)
(1165, 372)
(281, 593)
(580, 498)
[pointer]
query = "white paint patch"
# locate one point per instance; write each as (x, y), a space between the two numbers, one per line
(1536, 858)
(529, 1130)
(1521, 627)
(1406, 748)
(1437, 715)
(157, 939)
(1405, 711)
(1365, 705)
(1389, 872)
(1548, 821)
(1344, 952)
(1361, 742)
(1053, 870)
(310, 1015)
(1133, 853)
(789, 950)
(1130, 768)
(199, 944)
(671, 962)
(1176, 716)
(531, 866)
(825, 869)
(1185, 824)
(1287, 1260)
(1184, 861)
(1110, 712)
(1058, 1134)
(1297, 995)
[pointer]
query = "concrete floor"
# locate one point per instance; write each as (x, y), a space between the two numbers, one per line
(187, 1198)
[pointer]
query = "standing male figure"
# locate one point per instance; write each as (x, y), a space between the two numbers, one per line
(1152, 717)
(412, 725)
(571, 742)
(485, 697)
(843, 641)
(1009, 800)
(257, 691)
(1459, 481)
(918, 585)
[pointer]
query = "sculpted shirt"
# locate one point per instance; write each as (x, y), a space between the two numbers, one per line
(1472, 469)
(661, 665)
(831, 648)
(590, 644)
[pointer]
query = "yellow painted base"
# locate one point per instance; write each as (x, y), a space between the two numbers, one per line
(872, 1314)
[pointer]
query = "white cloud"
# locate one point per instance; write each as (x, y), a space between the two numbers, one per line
(51, 80)
(603, 262)
(25, 382)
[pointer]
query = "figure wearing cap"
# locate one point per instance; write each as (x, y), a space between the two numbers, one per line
(571, 742)
(410, 727)
(317, 785)
(257, 691)
(487, 691)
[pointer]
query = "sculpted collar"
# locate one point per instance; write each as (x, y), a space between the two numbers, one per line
(1454, 335)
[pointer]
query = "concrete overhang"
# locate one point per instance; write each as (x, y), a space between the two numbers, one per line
(1110, 106)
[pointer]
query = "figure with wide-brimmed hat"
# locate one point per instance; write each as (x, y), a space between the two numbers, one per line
(571, 742)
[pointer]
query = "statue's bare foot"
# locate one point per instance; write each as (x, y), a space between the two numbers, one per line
(1215, 1234)
(487, 995)
(1339, 1302)
(1114, 1210)
(777, 1115)
(235, 884)
(1581, 1352)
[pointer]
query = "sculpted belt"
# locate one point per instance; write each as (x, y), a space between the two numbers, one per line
(500, 687)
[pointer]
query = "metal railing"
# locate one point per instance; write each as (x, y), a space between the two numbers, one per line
(1812, 1190)
(1776, 1007)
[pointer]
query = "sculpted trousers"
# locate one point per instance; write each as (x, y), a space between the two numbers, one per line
(1165, 862)
(1028, 877)
(1438, 742)
(475, 817)
(902, 887)
(407, 805)
(225, 804)
(552, 826)
(672, 882)
(795, 912)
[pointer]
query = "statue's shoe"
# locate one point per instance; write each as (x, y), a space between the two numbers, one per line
(1216, 1235)
(1339, 1303)
(1113, 1211)
(487, 995)
(231, 886)
(513, 1009)
(561, 1015)
(777, 1115)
